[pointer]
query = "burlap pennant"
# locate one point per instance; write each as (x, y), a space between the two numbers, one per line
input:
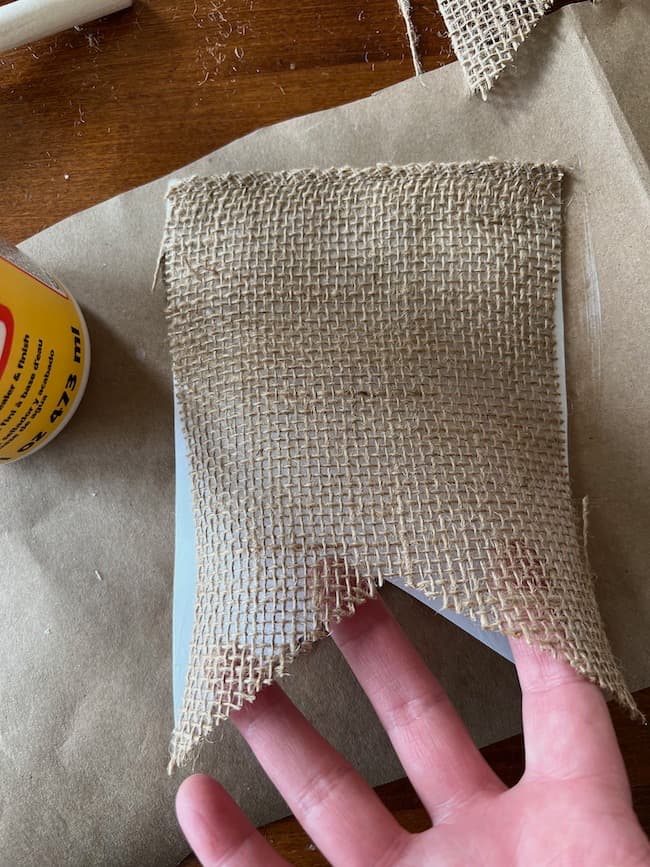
(485, 34)
(365, 362)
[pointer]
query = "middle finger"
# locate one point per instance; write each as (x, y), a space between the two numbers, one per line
(436, 750)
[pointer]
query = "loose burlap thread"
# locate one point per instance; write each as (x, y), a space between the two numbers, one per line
(485, 34)
(365, 362)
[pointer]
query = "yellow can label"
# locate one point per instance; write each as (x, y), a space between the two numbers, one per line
(43, 350)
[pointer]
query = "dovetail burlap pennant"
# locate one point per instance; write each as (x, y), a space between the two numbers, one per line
(485, 34)
(366, 367)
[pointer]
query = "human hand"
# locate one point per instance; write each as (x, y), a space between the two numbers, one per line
(571, 807)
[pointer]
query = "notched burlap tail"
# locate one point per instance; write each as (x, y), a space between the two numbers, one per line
(485, 34)
(366, 366)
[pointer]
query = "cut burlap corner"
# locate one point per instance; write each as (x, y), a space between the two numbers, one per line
(485, 34)
(365, 362)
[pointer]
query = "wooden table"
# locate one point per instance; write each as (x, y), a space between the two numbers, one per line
(90, 113)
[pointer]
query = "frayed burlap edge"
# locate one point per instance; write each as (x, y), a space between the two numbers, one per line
(337, 593)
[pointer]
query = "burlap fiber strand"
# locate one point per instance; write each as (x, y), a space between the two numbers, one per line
(404, 7)
(365, 364)
(485, 34)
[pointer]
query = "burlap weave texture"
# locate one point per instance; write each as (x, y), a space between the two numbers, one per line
(365, 362)
(485, 34)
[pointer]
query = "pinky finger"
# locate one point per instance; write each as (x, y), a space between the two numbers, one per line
(218, 832)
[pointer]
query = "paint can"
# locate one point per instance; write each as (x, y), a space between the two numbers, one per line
(44, 355)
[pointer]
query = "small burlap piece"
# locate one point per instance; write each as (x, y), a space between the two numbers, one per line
(366, 367)
(485, 34)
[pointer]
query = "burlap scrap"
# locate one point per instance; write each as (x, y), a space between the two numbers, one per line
(485, 34)
(366, 367)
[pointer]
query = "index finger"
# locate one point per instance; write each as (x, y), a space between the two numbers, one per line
(568, 732)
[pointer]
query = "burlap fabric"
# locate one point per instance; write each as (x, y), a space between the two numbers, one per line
(485, 34)
(366, 367)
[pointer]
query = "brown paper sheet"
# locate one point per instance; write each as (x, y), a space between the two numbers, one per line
(86, 683)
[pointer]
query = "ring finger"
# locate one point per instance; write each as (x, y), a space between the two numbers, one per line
(335, 806)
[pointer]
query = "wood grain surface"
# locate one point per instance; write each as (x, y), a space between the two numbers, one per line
(92, 112)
